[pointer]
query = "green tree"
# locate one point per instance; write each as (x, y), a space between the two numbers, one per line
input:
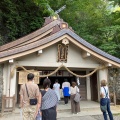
(110, 34)
(116, 2)
(18, 18)
(91, 20)
(94, 22)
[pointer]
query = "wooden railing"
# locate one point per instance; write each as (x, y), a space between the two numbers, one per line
(8, 104)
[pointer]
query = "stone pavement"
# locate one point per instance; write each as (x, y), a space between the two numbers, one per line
(89, 111)
(12, 116)
(96, 117)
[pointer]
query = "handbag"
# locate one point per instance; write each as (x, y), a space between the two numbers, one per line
(32, 101)
(103, 102)
(38, 117)
(77, 96)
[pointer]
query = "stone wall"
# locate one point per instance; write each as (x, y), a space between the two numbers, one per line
(1, 85)
(114, 82)
(117, 86)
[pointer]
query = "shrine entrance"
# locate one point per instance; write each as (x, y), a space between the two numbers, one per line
(60, 75)
(60, 79)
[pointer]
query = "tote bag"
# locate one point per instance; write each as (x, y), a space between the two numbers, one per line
(103, 102)
(77, 96)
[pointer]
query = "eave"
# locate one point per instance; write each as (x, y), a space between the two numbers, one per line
(52, 39)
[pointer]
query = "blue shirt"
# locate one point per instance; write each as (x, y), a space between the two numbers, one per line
(66, 91)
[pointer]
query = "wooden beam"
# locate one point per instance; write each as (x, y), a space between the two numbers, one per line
(109, 64)
(85, 54)
(11, 61)
(40, 52)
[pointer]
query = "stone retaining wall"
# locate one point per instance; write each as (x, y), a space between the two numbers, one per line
(114, 82)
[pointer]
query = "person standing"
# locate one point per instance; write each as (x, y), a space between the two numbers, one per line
(66, 90)
(29, 91)
(75, 106)
(104, 93)
(56, 88)
(49, 101)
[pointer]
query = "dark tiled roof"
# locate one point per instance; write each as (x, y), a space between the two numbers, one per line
(95, 49)
(53, 37)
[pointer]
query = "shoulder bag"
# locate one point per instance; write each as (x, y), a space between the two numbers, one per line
(77, 96)
(32, 101)
(103, 102)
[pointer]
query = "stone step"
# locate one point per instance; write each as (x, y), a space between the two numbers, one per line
(82, 109)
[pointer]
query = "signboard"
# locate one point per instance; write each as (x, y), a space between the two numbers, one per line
(62, 53)
(59, 73)
(23, 77)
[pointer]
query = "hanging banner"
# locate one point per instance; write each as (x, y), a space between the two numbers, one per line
(23, 77)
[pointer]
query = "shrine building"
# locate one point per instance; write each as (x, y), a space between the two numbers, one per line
(57, 52)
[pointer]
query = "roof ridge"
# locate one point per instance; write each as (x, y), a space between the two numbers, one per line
(29, 36)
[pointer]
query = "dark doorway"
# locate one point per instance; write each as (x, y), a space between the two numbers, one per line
(82, 86)
(60, 79)
(94, 87)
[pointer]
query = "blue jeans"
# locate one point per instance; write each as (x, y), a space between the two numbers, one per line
(108, 110)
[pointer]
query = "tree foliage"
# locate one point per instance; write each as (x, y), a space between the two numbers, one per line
(91, 20)
(115, 2)
(18, 18)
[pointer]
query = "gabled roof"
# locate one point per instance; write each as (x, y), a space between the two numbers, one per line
(49, 34)
(29, 36)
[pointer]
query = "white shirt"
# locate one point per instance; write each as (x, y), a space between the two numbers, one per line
(66, 84)
(102, 90)
(56, 86)
(74, 90)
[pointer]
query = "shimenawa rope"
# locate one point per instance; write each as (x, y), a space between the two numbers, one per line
(30, 71)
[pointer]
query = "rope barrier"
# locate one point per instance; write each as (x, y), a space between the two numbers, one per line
(30, 71)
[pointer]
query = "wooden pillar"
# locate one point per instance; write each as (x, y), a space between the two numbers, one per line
(102, 74)
(1, 85)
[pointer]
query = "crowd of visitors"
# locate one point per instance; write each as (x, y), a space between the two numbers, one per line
(42, 104)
